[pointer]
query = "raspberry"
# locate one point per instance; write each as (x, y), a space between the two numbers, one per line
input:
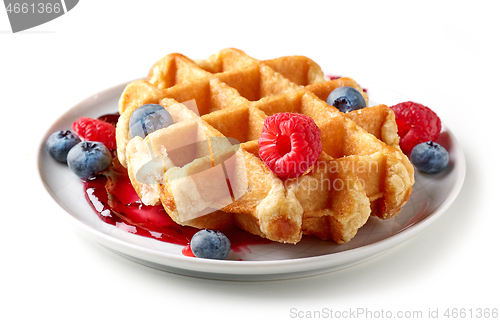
(290, 144)
(416, 124)
(89, 129)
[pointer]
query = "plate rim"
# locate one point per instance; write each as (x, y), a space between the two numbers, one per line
(236, 268)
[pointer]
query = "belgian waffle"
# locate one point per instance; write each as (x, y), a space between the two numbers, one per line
(360, 172)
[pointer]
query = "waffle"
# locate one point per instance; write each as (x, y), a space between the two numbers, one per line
(360, 172)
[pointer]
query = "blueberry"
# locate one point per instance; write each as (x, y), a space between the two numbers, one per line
(346, 99)
(211, 244)
(149, 118)
(87, 159)
(429, 157)
(59, 143)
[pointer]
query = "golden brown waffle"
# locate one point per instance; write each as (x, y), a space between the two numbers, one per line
(361, 170)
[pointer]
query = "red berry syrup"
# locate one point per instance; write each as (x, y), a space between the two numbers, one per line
(113, 198)
(332, 77)
(110, 118)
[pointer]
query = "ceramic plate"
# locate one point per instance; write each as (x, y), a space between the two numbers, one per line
(432, 195)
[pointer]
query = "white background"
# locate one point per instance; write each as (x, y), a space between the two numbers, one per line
(442, 54)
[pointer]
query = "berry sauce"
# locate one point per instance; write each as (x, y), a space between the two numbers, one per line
(332, 77)
(115, 201)
(110, 118)
(186, 251)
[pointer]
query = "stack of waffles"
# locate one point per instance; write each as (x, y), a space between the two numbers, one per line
(218, 106)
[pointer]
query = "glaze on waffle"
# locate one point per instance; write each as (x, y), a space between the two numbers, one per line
(360, 172)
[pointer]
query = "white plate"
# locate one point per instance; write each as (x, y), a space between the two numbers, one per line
(432, 195)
